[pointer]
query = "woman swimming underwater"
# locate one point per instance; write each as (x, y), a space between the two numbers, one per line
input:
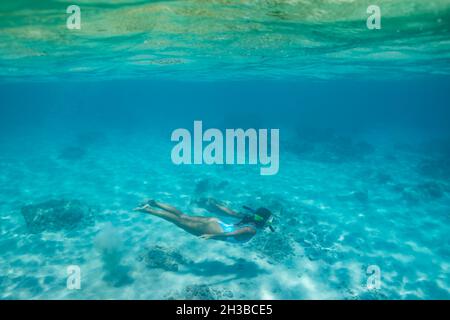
(209, 227)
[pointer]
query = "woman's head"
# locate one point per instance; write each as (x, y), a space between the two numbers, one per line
(261, 217)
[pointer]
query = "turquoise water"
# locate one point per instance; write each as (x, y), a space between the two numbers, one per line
(85, 124)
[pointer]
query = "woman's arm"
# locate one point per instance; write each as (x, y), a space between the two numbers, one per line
(214, 204)
(224, 235)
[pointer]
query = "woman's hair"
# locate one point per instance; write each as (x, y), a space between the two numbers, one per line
(258, 218)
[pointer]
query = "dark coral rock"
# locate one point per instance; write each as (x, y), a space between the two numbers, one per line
(222, 185)
(344, 149)
(436, 168)
(430, 190)
(72, 153)
(159, 257)
(202, 186)
(437, 147)
(316, 135)
(300, 147)
(410, 196)
(383, 178)
(56, 215)
(199, 292)
(398, 187)
(364, 148)
(275, 247)
(427, 191)
(118, 275)
(319, 243)
(88, 139)
(326, 146)
(205, 185)
(361, 196)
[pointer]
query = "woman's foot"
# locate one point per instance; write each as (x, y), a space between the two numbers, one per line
(150, 202)
(142, 208)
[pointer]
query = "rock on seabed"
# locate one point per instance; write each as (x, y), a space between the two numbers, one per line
(56, 215)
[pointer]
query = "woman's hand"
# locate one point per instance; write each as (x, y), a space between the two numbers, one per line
(207, 236)
(211, 202)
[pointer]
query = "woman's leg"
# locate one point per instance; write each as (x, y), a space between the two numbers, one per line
(168, 208)
(159, 213)
(194, 225)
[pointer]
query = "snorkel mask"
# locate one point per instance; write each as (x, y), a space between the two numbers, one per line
(259, 218)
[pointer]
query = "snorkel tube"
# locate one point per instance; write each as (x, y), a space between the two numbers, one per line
(248, 209)
(258, 218)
